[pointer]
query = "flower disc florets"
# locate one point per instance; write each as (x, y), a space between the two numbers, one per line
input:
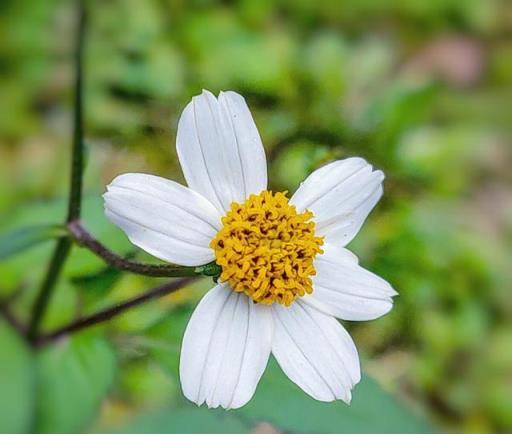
(266, 249)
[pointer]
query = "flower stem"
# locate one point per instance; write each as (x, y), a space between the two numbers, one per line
(75, 195)
(83, 238)
(60, 254)
(110, 312)
(77, 159)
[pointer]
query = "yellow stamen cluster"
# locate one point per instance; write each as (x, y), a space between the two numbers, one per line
(266, 249)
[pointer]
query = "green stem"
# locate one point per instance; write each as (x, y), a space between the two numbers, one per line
(77, 159)
(63, 246)
(84, 239)
(60, 254)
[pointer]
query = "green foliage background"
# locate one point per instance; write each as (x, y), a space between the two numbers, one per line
(420, 89)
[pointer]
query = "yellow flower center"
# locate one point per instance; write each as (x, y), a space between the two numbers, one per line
(266, 249)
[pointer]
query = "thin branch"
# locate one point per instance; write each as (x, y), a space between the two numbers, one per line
(110, 312)
(85, 239)
(63, 246)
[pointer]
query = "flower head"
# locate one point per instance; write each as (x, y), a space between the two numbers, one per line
(285, 273)
(266, 249)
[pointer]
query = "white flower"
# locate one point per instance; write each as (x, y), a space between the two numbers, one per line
(285, 276)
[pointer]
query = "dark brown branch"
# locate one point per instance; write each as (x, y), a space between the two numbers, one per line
(85, 239)
(110, 312)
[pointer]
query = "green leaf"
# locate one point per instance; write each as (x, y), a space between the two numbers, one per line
(81, 261)
(74, 377)
(95, 286)
(16, 383)
(21, 239)
(62, 308)
(296, 162)
(281, 403)
(191, 420)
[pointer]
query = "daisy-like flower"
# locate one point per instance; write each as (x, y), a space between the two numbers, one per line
(285, 275)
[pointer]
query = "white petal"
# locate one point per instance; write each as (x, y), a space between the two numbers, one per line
(220, 150)
(315, 352)
(225, 349)
(344, 289)
(163, 218)
(247, 143)
(341, 195)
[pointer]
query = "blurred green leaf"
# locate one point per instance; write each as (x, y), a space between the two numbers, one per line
(16, 383)
(191, 420)
(95, 286)
(81, 262)
(166, 337)
(74, 377)
(281, 403)
(23, 238)
(63, 307)
(324, 64)
(148, 385)
(293, 165)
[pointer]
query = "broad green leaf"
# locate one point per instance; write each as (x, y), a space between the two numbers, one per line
(74, 377)
(80, 262)
(190, 420)
(62, 308)
(278, 401)
(96, 285)
(16, 383)
(21, 239)
(166, 337)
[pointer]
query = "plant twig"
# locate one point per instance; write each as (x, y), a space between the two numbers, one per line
(75, 195)
(110, 312)
(85, 239)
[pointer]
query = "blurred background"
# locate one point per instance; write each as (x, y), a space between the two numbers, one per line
(421, 89)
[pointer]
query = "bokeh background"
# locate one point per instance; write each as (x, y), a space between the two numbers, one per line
(422, 89)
